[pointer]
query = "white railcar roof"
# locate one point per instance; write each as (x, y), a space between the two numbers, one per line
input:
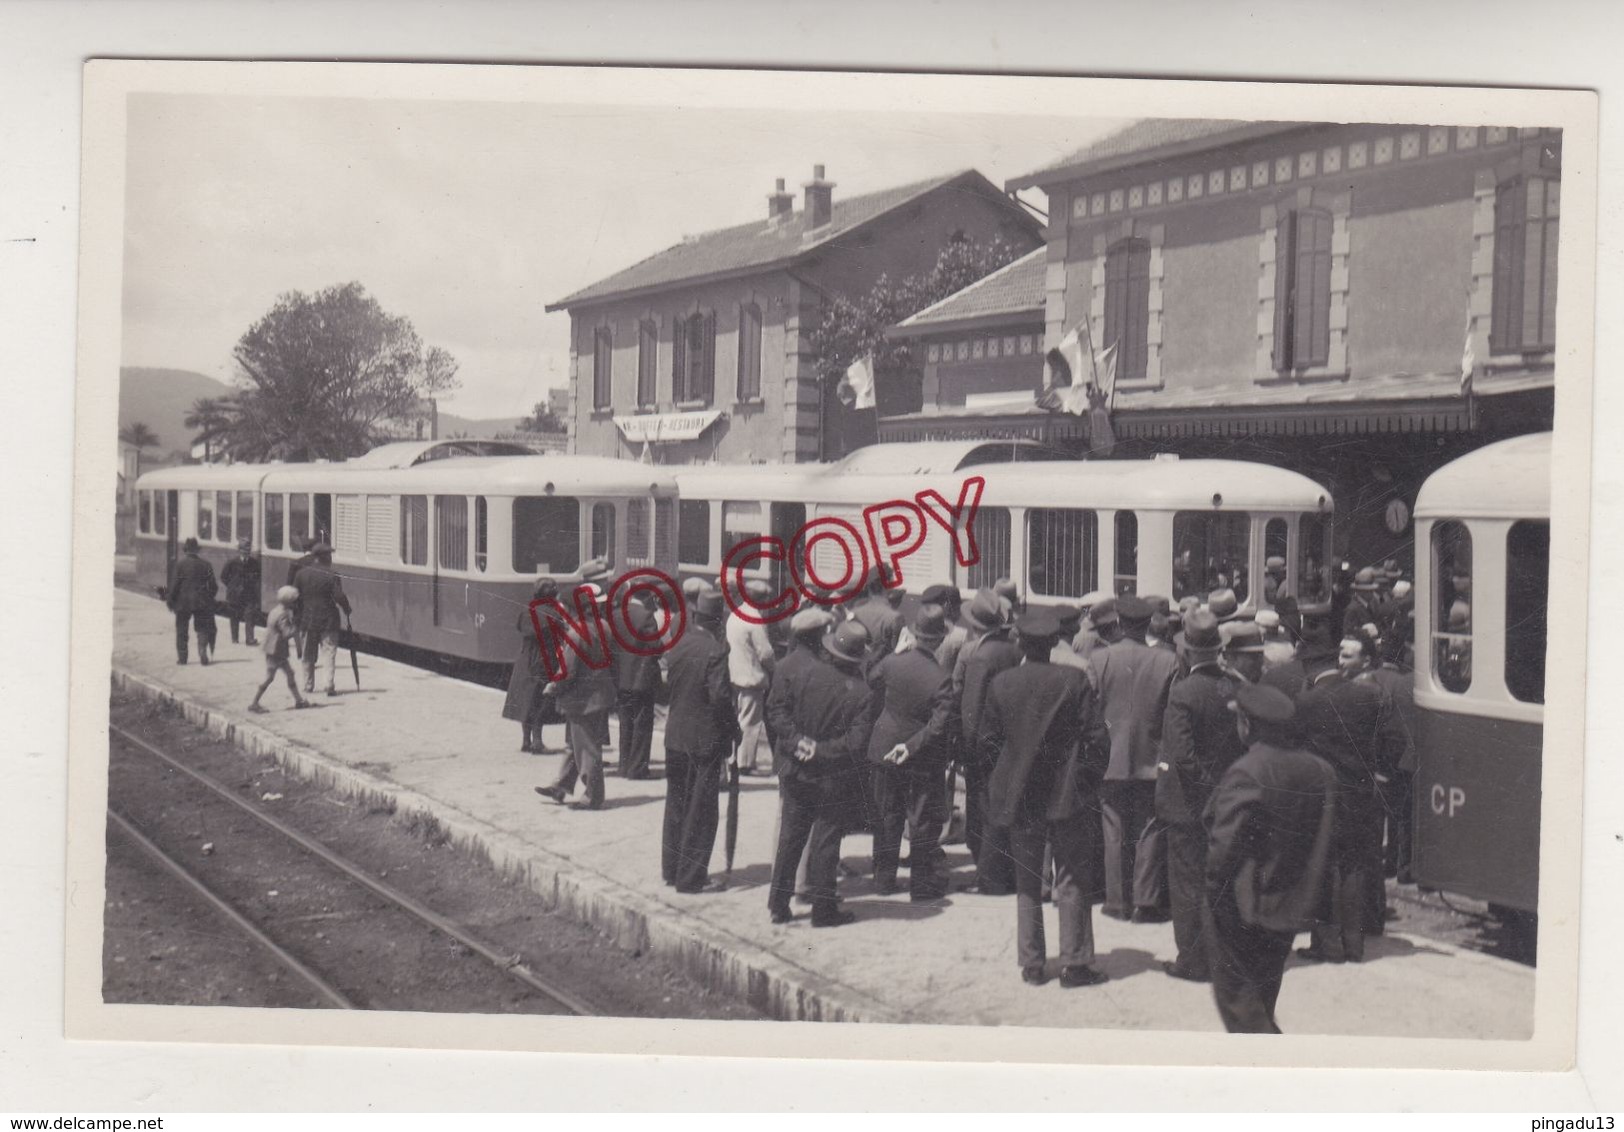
(1507, 479)
(407, 453)
(484, 475)
(188, 477)
(922, 456)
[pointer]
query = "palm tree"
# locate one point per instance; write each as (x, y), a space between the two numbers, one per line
(139, 437)
(212, 417)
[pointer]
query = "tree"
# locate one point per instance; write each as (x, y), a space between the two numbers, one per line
(542, 419)
(212, 419)
(140, 437)
(320, 375)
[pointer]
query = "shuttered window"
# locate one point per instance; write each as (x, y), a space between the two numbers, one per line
(1302, 290)
(349, 526)
(693, 359)
(648, 357)
(749, 352)
(414, 529)
(1127, 307)
(380, 526)
(991, 530)
(1062, 551)
(1526, 217)
(451, 523)
(638, 541)
(603, 356)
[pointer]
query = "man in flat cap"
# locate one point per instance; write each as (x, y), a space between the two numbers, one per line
(1134, 681)
(911, 719)
(750, 661)
(1045, 724)
(1199, 742)
(1269, 833)
(818, 706)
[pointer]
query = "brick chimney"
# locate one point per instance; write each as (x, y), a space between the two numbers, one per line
(780, 204)
(819, 199)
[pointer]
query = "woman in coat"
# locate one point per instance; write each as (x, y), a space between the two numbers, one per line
(525, 702)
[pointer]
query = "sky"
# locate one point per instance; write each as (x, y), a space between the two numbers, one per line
(468, 218)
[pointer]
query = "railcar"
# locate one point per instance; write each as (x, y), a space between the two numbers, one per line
(438, 554)
(1483, 536)
(1060, 529)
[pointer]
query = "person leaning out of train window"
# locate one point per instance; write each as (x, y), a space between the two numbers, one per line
(280, 628)
(190, 596)
(321, 598)
(240, 576)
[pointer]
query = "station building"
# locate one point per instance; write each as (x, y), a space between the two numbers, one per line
(1303, 294)
(701, 352)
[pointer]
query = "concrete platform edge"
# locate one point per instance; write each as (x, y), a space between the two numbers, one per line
(716, 960)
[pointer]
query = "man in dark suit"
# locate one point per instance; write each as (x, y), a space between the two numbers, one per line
(240, 576)
(321, 596)
(700, 730)
(911, 721)
(984, 658)
(1350, 724)
(584, 696)
(818, 707)
(1363, 613)
(190, 596)
(1134, 681)
(1199, 742)
(1269, 831)
(1044, 721)
(637, 678)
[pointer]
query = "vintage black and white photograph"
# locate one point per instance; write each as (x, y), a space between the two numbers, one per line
(665, 546)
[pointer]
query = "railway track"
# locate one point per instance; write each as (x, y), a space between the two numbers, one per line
(392, 917)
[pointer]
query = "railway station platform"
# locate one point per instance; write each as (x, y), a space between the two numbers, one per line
(440, 746)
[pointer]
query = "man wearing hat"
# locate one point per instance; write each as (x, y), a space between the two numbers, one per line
(1103, 626)
(1070, 619)
(952, 605)
(989, 652)
(692, 588)
(878, 613)
(818, 706)
(1006, 589)
(190, 597)
(1044, 722)
(1134, 681)
(1199, 742)
(1274, 576)
(240, 576)
(637, 681)
(1243, 649)
(1363, 613)
(1224, 605)
(321, 597)
(701, 728)
(911, 720)
(1269, 834)
(750, 660)
(525, 704)
(584, 696)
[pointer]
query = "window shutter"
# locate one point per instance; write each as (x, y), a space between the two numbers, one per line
(1319, 297)
(1547, 336)
(1505, 327)
(679, 360)
(709, 392)
(1139, 315)
(1285, 262)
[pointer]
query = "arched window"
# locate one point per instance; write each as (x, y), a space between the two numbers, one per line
(1127, 307)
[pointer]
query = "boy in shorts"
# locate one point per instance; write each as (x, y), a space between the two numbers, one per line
(279, 630)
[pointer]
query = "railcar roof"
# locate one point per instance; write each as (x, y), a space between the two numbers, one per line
(221, 476)
(1507, 479)
(472, 475)
(919, 456)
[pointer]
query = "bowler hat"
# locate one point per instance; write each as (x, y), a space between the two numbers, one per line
(1401, 590)
(189, 546)
(1103, 612)
(848, 642)
(985, 610)
(930, 624)
(1133, 609)
(322, 547)
(1365, 580)
(1268, 620)
(1242, 636)
(1263, 701)
(810, 620)
(1275, 562)
(1200, 633)
(940, 594)
(1038, 624)
(1223, 605)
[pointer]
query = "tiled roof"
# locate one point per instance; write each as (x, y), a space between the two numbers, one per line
(1151, 135)
(1015, 288)
(762, 244)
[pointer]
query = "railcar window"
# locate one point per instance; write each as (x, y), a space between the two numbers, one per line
(1528, 560)
(665, 531)
(222, 516)
(298, 521)
(1127, 553)
(1313, 566)
(245, 515)
(546, 534)
(1063, 550)
(1452, 605)
(1210, 553)
(349, 527)
(451, 520)
(603, 532)
(693, 532)
(205, 514)
(144, 511)
(740, 521)
(482, 532)
(322, 504)
(273, 521)
(160, 512)
(381, 521)
(637, 532)
(414, 530)
(991, 529)
(1274, 550)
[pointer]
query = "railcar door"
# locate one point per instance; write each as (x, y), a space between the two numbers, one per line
(172, 535)
(786, 519)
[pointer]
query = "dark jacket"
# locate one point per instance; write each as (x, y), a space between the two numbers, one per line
(1351, 725)
(1199, 742)
(524, 701)
(1045, 724)
(1361, 611)
(984, 659)
(1290, 677)
(912, 704)
(701, 719)
(1269, 833)
(636, 674)
(1134, 681)
(240, 576)
(321, 596)
(812, 697)
(1399, 684)
(884, 625)
(192, 586)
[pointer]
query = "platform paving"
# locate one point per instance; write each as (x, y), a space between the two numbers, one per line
(440, 746)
